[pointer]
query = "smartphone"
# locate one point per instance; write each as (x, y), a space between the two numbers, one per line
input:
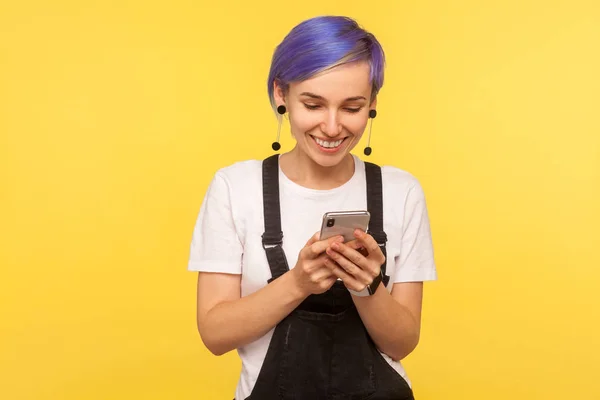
(344, 223)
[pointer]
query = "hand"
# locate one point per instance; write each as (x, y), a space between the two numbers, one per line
(310, 273)
(358, 262)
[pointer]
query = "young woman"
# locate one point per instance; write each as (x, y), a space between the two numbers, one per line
(311, 318)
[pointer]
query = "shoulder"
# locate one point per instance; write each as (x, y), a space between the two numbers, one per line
(236, 188)
(240, 173)
(401, 189)
(400, 181)
(398, 184)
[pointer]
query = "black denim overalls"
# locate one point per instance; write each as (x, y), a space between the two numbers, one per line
(322, 350)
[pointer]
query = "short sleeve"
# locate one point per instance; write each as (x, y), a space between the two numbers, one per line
(215, 245)
(416, 261)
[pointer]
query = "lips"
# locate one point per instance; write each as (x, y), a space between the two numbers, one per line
(328, 146)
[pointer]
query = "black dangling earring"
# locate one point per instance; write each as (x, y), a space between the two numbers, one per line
(372, 115)
(281, 110)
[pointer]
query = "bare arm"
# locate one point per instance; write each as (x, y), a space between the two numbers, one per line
(227, 321)
(393, 320)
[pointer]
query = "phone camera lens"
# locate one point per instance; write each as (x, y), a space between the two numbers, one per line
(330, 222)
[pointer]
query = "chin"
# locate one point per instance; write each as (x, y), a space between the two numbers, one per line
(327, 162)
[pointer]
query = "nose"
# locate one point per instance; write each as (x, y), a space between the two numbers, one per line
(331, 125)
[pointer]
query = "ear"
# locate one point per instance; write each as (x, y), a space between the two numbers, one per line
(373, 104)
(278, 93)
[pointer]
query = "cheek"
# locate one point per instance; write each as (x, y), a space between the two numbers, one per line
(302, 121)
(355, 124)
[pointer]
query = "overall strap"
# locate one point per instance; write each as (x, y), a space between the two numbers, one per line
(375, 208)
(272, 238)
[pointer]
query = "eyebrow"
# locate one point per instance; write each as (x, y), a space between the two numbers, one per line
(316, 96)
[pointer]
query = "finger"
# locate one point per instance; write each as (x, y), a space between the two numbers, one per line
(314, 265)
(319, 247)
(355, 244)
(350, 268)
(359, 255)
(321, 274)
(358, 246)
(351, 254)
(319, 262)
(373, 249)
(349, 281)
(314, 238)
(306, 250)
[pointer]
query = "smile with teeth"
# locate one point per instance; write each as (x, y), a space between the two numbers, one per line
(327, 144)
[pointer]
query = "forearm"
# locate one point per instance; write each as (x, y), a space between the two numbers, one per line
(233, 324)
(391, 325)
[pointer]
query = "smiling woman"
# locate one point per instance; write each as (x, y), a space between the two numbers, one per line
(328, 112)
(346, 313)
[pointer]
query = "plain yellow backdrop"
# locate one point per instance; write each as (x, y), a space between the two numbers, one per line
(115, 115)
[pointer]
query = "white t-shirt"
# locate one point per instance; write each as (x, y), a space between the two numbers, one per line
(227, 234)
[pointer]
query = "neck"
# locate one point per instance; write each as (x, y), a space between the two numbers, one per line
(302, 170)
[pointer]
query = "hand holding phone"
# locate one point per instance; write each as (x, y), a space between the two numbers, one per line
(311, 276)
(357, 273)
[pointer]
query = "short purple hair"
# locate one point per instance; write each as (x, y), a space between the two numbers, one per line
(321, 43)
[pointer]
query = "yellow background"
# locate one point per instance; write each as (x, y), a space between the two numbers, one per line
(115, 115)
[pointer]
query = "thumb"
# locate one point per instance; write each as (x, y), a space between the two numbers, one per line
(313, 239)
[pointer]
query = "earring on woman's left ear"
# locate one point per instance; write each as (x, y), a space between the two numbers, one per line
(280, 110)
(372, 115)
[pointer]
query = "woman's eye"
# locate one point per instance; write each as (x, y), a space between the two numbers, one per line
(317, 106)
(353, 110)
(311, 106)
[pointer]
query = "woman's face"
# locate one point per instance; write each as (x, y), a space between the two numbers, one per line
(329, 112)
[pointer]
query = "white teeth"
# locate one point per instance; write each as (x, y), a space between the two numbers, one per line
(329, 145)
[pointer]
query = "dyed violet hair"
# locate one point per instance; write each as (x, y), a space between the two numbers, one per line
(321, 43)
